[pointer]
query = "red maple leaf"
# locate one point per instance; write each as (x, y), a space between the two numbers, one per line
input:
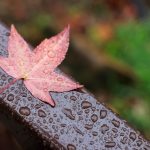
(37, 67)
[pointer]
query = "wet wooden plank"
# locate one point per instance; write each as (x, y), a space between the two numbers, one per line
(78, 122)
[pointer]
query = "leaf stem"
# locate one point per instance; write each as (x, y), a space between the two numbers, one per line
(7, 86)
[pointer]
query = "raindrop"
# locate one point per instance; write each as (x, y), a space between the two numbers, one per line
(94, 117)
(89, 126)
(10, 97)
(24, 94)
(95, 133)
(68, 113)
(50, 120)
(73, 98)
(114, 130)
(104, 128)
(103, 114)
(7, 33)
(115, 123)
(3, 77)
(41, 113)
(139, 143)
(110, 144)
(124, 140)
(71, 147)
(37, 106)
(86, 104)
(132, 136)
(78, 130)
(87, 111)
(29, 98)
(24, 111)
(51, 54)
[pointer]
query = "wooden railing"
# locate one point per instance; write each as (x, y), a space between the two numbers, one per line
(78, 122)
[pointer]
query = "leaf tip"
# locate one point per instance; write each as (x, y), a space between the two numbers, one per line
(13, 28)
(52, 103)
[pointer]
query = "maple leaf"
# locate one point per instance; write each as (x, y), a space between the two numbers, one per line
(37, 67)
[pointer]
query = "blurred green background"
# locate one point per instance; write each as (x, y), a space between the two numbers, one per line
(109, 51)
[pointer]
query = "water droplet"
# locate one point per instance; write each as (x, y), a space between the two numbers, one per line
(10, 80)
(104, 128)
(86, 104)
(139, 143)
(3, 77)
(68, 113)
(88, 126)
(124, 140)
(78, 130)
(114, 130)
(50, 120)
(71, 147)
(51, 54)
(132, 136)
(103, 114)
(29, 98)
(94, 133)
(63, 125)
(87, 111)
(115, 123)
(45, 89)
(41, 113)
(24, 94)
(7, 33)
(10, 97)
(94, 117)
(37, 106)
(73, 98)
(55, 115)
(24, 111)
(110, 144)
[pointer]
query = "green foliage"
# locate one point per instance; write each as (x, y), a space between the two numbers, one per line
(131, 45)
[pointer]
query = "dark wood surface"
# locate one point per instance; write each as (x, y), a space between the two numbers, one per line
(78, 122)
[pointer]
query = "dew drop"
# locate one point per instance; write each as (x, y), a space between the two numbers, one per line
(132, 136)
(73, 98)
(3, 77)
(103, 114)
(41, 113)
(68, 113)
(7, 33)
(10, 97)
(115, 123)
(51, 54)
(29, 98)
(78, 130)
(94, 133)
(50, 120)
(86, 104)
(71, 147)
(104, 128)
(37, 106)
(24, 111)
(139, 143)
(88, 126)
(124, 140)
(94, 117)
(110, 144)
